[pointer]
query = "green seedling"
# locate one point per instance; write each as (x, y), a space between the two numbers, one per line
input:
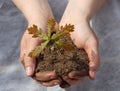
(52, 36)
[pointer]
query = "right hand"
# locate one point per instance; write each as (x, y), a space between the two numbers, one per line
(36, 12)
(27, 44)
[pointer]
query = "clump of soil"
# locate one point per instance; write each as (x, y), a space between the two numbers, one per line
(62, 61)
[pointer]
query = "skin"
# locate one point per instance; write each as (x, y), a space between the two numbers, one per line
(78, 14)
(38, 14)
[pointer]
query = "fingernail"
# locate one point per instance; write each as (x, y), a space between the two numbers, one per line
(56, 83)
(92, 74)
(29, 71)
(43, 83)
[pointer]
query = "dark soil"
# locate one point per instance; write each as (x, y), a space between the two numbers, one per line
(62, 61)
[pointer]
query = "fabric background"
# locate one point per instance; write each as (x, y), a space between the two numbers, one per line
(106, 24)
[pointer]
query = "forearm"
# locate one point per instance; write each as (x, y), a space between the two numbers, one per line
(86, 8)
(35, 11)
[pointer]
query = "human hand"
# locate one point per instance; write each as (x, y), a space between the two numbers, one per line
(83, 37)
(28, 43)
(36, 12)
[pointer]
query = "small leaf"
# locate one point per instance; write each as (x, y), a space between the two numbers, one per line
(34, 31)
(68, 27)
(37, 33)
(59, 43)
(65, 31)
(50, 26)
(38, 49)
(43, 36)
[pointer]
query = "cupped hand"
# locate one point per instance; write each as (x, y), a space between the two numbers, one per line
(28, 43)
(83, 37)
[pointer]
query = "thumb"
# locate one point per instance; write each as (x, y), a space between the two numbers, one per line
(94, 60)
(29, 65)
(28, 44)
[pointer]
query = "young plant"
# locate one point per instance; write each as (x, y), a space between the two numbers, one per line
(52, 36)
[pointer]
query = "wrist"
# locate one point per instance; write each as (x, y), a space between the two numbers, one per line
(86, 8)
(39, 21)
(35, 11)
(76, 8)
(37, 16)
(73, 15)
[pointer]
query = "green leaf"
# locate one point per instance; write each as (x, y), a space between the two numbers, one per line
(38, 49)
(59, 34)
(56, 37)
(59, 43)
(43, 36)
(65, 31)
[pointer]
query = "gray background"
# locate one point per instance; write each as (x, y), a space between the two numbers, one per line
(106, 24)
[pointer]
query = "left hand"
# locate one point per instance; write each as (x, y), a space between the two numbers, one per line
(83, 37)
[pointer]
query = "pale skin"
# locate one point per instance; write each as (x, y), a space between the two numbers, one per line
(79, 13)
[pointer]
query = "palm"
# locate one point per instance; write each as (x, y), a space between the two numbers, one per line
(83, 36)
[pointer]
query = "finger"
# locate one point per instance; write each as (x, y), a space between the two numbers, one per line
(29, 65)
(22, 49)
(46, 76)
(75, 75)
(50, 83)
(93, 64)
(72, 81)
(22, 53)
(94, 59)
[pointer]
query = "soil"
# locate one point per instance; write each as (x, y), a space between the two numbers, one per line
(62, 61)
